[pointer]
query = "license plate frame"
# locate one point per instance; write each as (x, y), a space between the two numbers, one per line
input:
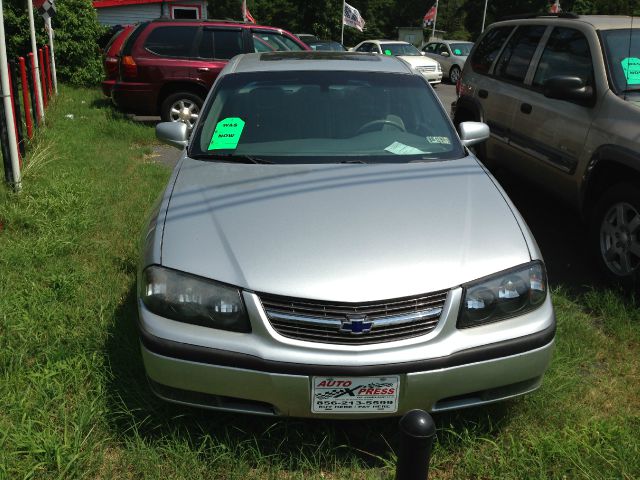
(345, 395)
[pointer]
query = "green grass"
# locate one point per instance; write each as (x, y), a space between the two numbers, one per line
(73, 397)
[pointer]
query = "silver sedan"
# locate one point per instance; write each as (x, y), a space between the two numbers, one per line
(451, 54)
(328, 247)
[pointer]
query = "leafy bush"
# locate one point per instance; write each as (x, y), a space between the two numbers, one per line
(76, 34)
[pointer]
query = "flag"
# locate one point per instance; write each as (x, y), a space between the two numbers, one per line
(246, 14)
(430, 16)
(351, 17)
(555, 7)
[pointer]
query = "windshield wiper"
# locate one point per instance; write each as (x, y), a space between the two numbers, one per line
(631, 90)
(352, 161)
(229, 157)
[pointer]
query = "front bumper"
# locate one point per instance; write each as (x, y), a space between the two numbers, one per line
(432, 77)
(224, 379)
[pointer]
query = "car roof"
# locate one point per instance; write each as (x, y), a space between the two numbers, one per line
(212, 22)
(387, 41)
(317, 61)
(599, 22)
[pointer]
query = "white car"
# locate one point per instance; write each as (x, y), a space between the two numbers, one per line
(429, 68)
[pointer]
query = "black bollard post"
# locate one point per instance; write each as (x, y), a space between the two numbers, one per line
(417, 430)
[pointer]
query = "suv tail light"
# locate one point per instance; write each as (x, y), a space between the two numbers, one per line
(111, 66)
(128, 67)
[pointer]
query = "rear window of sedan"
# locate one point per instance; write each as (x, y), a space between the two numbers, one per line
(325, 117)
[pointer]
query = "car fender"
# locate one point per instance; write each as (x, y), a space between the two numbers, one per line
(616, 154)
(470, 104)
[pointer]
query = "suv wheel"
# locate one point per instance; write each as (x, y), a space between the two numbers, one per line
(454, 74)
(181, 107)
(615, 233)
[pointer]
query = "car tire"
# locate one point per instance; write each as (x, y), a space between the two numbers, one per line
(454, 74)
(181, 107)
(615, 235)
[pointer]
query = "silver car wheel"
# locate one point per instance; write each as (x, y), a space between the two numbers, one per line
(620, 239)
(454, 74)
(185, 111)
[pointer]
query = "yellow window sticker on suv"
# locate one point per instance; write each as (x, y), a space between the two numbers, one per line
(631, 68)
(227, 134)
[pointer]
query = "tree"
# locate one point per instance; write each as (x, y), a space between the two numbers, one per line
(76, 38)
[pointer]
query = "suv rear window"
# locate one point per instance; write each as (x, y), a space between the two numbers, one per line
(488, 49)
(516, 56)
(171, 41)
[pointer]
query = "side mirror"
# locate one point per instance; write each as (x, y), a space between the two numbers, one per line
(423, 53)
(568, 88)
(445, 54)
(472, 133)
(173, 133)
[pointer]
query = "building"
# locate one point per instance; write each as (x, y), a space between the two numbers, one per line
(122, 12)
(415, 35)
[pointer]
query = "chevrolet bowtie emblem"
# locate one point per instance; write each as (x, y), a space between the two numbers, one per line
(356, 324)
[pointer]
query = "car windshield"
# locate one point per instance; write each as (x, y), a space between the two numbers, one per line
(622, 48)
(324, 117)
(461, 49)
(405, 49)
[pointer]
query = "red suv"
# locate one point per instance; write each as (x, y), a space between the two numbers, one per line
(167, 67)
(111, 58)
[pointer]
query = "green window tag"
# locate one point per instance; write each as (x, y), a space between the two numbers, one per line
(387, 52)
(631, 68)
(227, 134)
(457, 51)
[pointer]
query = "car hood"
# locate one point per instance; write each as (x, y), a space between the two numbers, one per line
(341, 232)
(418, 61)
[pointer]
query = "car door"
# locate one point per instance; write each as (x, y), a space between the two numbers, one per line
(430, 50)
(505, 85)
(444, 57)
(492, 96)
(215, 46)
(164, 53)
(549, 134)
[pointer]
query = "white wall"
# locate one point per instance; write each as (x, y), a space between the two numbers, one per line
(138, 13)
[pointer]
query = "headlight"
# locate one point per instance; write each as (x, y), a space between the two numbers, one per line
(439, 67)
(187, 298)
(504, 295)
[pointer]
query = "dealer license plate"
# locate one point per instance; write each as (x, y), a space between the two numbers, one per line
(355, 394)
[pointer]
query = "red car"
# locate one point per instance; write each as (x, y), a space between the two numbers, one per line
(112, 57)
(168, 66)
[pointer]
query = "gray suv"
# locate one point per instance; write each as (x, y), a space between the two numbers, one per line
(561, 95)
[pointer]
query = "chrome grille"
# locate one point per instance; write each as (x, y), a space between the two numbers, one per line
(430, 68)
(328, 322)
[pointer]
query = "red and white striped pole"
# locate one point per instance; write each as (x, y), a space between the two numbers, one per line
(25, 97)
(34, 50)
(8, 108)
